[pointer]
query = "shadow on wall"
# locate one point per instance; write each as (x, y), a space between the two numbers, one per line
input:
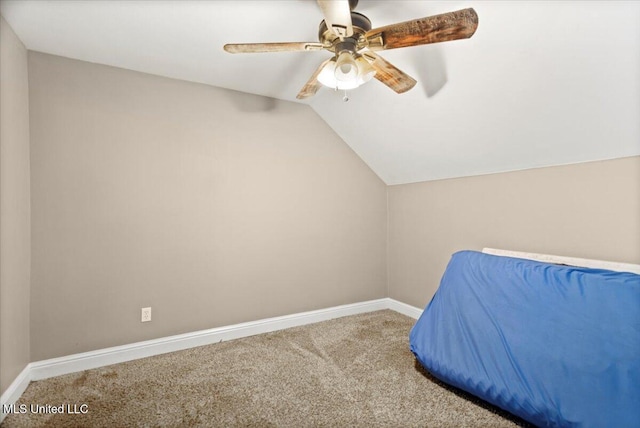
(281, 84)
(249, 103)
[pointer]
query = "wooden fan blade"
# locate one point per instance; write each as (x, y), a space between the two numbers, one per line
(390, 75)
(272, 47)
(337, 16)
(311, 87)
(432, 29)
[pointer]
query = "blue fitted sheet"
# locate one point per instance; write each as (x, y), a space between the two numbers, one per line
(555, 345)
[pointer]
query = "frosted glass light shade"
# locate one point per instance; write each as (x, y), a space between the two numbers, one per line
(328, 78)
(365, 70)
(346, 67)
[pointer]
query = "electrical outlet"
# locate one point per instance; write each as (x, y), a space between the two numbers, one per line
(146, 315)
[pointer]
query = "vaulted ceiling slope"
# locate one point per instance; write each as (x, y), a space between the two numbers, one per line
(539, 84)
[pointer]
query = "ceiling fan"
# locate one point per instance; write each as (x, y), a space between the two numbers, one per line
(349, 36)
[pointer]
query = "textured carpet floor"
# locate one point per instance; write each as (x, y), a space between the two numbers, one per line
(352, 371)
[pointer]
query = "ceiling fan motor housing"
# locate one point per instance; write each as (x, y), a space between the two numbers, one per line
(361, 25)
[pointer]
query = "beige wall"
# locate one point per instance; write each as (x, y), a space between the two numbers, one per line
(15, 241)
(589, 210)
(216, 207)
(211, 206)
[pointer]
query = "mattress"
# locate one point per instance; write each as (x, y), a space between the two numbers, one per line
(554, 345)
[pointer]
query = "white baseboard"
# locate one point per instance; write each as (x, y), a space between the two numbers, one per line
(15, 390)
(404, 309)
(118, 354)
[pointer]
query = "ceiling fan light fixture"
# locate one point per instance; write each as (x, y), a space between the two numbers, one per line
(359, 71)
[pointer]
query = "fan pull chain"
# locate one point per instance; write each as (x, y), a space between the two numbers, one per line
(345, 98)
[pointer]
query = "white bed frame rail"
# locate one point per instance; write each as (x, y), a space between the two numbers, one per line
(571, 261)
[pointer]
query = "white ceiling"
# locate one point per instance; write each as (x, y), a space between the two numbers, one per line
(540, 83)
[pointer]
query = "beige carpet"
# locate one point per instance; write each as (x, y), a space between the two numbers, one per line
(352, 371)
